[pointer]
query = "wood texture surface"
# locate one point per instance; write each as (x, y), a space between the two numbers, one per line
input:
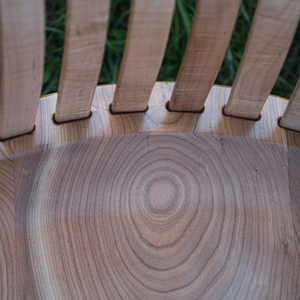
(7, 230)
(270, 37)
(155, 205)
(21, 64)
(147, 36)
(211, 32)
(294, 175)
(291, 116)
(83, 52)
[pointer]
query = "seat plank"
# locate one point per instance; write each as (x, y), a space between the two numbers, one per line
(7, 230)
(291, 116)
(271, 34)
(211, 32)
(147, 35)
(155, 205)
(84, 47)
(159, 216)
(21, 60)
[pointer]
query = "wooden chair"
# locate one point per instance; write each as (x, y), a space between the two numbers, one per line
(145, 190)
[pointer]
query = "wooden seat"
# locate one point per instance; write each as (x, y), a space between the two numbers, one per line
(145, 190)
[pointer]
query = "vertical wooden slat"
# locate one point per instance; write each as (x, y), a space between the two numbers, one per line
(147, 36)
(271, 34)
(211, 32)
(291, 116)
(21, 64)
(86, 29)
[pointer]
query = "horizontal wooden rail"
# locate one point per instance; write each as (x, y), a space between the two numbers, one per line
(147, 36)
(269, 40)
(84, 47)
(291, 116)
(21, 64)
(211, 32)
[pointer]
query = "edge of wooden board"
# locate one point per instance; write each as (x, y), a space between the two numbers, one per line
(157, 120)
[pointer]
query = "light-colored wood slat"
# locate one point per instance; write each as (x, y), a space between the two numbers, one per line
(147, 36)
(271, 34)
(211, 32)
(291, 116)
(84, 47)
(21, 61)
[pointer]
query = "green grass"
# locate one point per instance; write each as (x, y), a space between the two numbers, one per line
(181, 26)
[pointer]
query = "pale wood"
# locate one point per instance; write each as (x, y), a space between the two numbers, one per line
(83, 52)
(270, 37)
(291, 116)
(147, 36)
(211, 32)
(155, 205)
(21, 61)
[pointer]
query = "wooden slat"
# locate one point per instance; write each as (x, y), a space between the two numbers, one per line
(291, 116)
(21, 64)
(211, 32)
(149, 27)
(84, 47)
(271, 34)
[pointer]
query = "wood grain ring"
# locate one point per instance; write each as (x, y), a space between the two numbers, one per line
(152, 205)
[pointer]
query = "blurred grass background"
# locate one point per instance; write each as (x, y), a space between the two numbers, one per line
(181, 26)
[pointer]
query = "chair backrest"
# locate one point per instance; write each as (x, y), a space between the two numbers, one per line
(22, 51)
